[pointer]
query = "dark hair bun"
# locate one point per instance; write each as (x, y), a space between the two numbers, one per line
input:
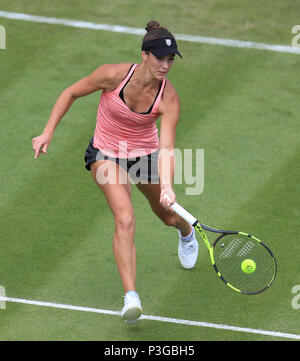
(152, 25)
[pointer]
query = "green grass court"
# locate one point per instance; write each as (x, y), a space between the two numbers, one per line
(240, 105)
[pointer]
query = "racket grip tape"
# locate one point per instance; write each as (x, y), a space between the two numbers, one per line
(183, 213)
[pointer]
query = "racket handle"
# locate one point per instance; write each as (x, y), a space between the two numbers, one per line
(183, 213)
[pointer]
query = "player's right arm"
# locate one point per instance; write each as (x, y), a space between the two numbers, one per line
(106, 77)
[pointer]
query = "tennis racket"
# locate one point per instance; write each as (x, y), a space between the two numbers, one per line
(242, 262)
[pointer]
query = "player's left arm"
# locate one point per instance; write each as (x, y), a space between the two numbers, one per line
(169, 108)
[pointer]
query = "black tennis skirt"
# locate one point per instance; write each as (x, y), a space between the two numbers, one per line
(141, 169)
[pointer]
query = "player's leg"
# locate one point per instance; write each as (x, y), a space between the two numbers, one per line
(188, 245)
(152, 193)
(113, 181)
(117, 190)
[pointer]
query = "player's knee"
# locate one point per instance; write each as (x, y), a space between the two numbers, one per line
(125, 221)
(170, 221)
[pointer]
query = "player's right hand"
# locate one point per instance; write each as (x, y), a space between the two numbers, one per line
(40, 144)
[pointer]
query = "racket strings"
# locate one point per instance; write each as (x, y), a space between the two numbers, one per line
(229, 253)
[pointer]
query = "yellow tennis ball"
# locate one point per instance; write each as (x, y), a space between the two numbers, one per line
(248, 266)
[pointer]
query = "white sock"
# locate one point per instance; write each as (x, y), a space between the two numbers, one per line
(187, 238)
(132, 294)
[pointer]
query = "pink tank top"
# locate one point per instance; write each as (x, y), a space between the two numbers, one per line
(121, 132)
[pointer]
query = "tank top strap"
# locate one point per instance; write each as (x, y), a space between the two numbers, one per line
(162, 88)
(129, 74)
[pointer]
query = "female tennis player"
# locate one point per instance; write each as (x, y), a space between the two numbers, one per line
(126, 148)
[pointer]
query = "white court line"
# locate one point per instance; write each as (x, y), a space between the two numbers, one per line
(155, 318)
(136, 31)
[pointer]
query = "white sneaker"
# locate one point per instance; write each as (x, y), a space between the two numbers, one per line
(188, 251)
(132, 310)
